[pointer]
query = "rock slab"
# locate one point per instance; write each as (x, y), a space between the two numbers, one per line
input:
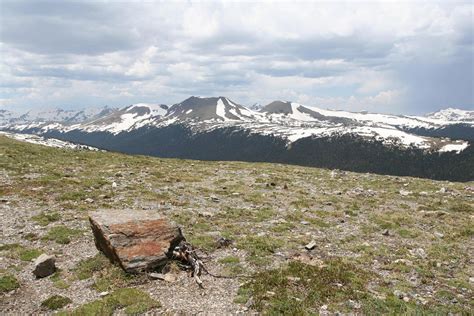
(45, 265)
(137, 240)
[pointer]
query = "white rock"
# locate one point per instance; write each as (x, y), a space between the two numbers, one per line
(418, 252)
(405, 192)
(311, 245)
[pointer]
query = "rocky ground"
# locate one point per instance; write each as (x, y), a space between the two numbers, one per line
(381, 244)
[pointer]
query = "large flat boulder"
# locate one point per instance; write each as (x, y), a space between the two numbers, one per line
(137, 240)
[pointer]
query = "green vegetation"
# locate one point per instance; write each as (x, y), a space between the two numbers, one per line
(8, 283)
(259, 245)
(232, 265)
(20, 252)
(133, 301)
(299, 289)
(56, 302)
(45, 218)
(29, 254)
(347, 216)
(86, 268)
(58, 281)
(61, 234)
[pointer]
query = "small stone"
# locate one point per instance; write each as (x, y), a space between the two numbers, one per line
(438, 234)
(205, 214)
(405, 192)
(418, 252)
(89, 200)
(293, 279)
(304, 223)
(399, 294)
(168, 277)
(471, 280)
(311, 245)
(443, 190)
(157, 276)
(285, 187)
(249, 303)
(114, 185)
(406, 299)
(45, 265)
(215, 199)
(223, 242)
(353, 304)
(386, 233)
(102, 294)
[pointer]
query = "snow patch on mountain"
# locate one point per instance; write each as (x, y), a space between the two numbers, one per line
(220, 109)
(454, 147)
(50, 142)
(452, 115)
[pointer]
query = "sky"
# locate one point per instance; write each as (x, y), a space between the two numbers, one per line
(405, 57)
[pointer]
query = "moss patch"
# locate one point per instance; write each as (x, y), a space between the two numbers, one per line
(56, 302)
(133, 301)
(8, 283)
(45, 218)
(299, 289)
(86, 268)
(61, 234)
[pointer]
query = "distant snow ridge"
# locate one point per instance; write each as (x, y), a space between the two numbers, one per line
(288, 120)
(50, 142)
(451, 114)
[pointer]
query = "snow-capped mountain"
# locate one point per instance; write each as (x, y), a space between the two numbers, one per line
(218, 109)
(451, 115)
(54, 115)
(133, 116)
(284, 131)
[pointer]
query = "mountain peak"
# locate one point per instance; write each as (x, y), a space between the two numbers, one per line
(210, 108)
(278, 107)
(452, 114)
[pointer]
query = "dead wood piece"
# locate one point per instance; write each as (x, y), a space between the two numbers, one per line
(187, 254)
(190, 260)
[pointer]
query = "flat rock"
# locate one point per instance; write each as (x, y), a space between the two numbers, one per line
(45, 265)
(137, 240)
(168, 277)
(311, 245)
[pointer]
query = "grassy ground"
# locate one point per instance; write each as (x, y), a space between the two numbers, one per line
(383, 244)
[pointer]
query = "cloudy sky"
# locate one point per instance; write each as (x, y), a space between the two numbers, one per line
(406, 57)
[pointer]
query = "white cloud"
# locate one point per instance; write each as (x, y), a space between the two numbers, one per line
(352, 55)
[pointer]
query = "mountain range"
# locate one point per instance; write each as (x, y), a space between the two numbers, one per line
(437, 145)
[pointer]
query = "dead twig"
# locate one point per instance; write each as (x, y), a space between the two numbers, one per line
(186, 253)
